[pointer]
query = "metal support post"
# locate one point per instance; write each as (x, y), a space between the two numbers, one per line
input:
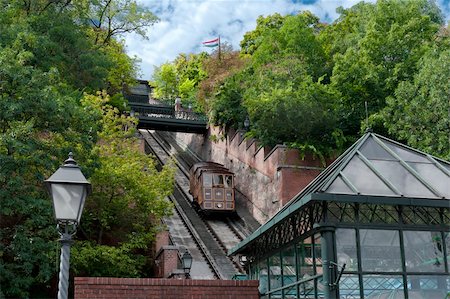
(327, 250)
(64, 265)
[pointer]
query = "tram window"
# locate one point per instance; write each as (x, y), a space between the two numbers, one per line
(218, 180)
(229, 181)
(207, 180)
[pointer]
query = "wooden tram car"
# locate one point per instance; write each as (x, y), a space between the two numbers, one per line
(212, 187)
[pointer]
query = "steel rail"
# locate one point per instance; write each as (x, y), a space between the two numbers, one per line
(185, 219)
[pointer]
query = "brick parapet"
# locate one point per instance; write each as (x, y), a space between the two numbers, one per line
(117, 288)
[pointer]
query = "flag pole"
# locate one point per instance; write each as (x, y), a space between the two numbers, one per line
(219, 47)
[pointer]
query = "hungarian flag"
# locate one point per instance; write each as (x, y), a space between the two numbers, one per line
(212, 43)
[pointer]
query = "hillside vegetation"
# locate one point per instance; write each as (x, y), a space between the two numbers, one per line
(61, 73)
(306, 84)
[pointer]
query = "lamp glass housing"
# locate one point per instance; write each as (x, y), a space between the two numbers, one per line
(68, 188)
(68, 201)
(187, 262)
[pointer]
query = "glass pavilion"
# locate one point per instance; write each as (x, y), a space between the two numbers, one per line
(374, 224)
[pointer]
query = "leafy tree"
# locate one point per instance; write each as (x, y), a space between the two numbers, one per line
(381, 48)
(282, 87)
(253, 39)
(419, 110)
(165, 81)
(227, 108)
(127, 202)
(179, 78)
(47, 58)
(109, 18)
(218, 70)
(39, 124)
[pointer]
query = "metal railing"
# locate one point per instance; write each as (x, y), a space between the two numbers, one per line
(153, 111)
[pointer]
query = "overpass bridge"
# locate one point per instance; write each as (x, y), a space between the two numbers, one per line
(155, 115)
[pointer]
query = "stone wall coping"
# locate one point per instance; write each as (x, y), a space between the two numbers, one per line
(162, 281)
(275, 148)
(166, 247)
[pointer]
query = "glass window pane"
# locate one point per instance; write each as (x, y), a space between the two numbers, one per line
(427, 286)
(317, 254)
(305, 260)
(346, 249)
(402, 179)
(383, 286)
(67, 200)
(424, 251)
(229, 181)
(364, 179)
(434, 176)
(218, 180)
(306, 289)
(349, 286)
(290, 293)
(406, 154)
(207, 180)
(380, 250)
(263, 279)
(289, 271)
(373, 151)
(339, 186)
(447, 241)
(275, 272)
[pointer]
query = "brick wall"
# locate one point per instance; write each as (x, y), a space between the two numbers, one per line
(149, 288)
(167, 261)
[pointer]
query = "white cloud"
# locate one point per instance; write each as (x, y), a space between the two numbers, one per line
(185, 24)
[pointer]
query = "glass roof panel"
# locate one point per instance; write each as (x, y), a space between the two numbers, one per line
(434, 176)
(445, 165)
(402, 179)
(372, 150)
(339, 186)
(406, 154)
(364, 179)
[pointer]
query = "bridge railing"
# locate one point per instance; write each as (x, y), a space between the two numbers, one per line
(156, 111)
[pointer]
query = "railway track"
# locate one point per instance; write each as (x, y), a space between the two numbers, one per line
(212, 238)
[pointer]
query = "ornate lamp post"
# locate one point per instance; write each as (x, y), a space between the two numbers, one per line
(68, 188)
(246, 123)
(186, 260)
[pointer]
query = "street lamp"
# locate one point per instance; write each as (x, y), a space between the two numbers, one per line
(186, 260)
(68, 188)
(246, 123)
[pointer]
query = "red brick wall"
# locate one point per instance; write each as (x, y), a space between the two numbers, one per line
(166, 261)
(149, 288)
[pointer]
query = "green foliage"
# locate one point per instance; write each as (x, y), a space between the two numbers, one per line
(108, 19)
(179, 78)
(306, 83)
(48, 57)
(128, 198)
(376, 46)
(281, 88)
(253, 39)
(227, 109)
(39, 123)
(299, 114)
(418, 112)
(105, 261)
(165, 81)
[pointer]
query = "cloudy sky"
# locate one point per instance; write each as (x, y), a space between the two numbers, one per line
(185, 24)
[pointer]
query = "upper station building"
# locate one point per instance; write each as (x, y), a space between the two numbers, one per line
(374, 224)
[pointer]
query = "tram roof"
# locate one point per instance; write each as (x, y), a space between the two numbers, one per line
(375, 169)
